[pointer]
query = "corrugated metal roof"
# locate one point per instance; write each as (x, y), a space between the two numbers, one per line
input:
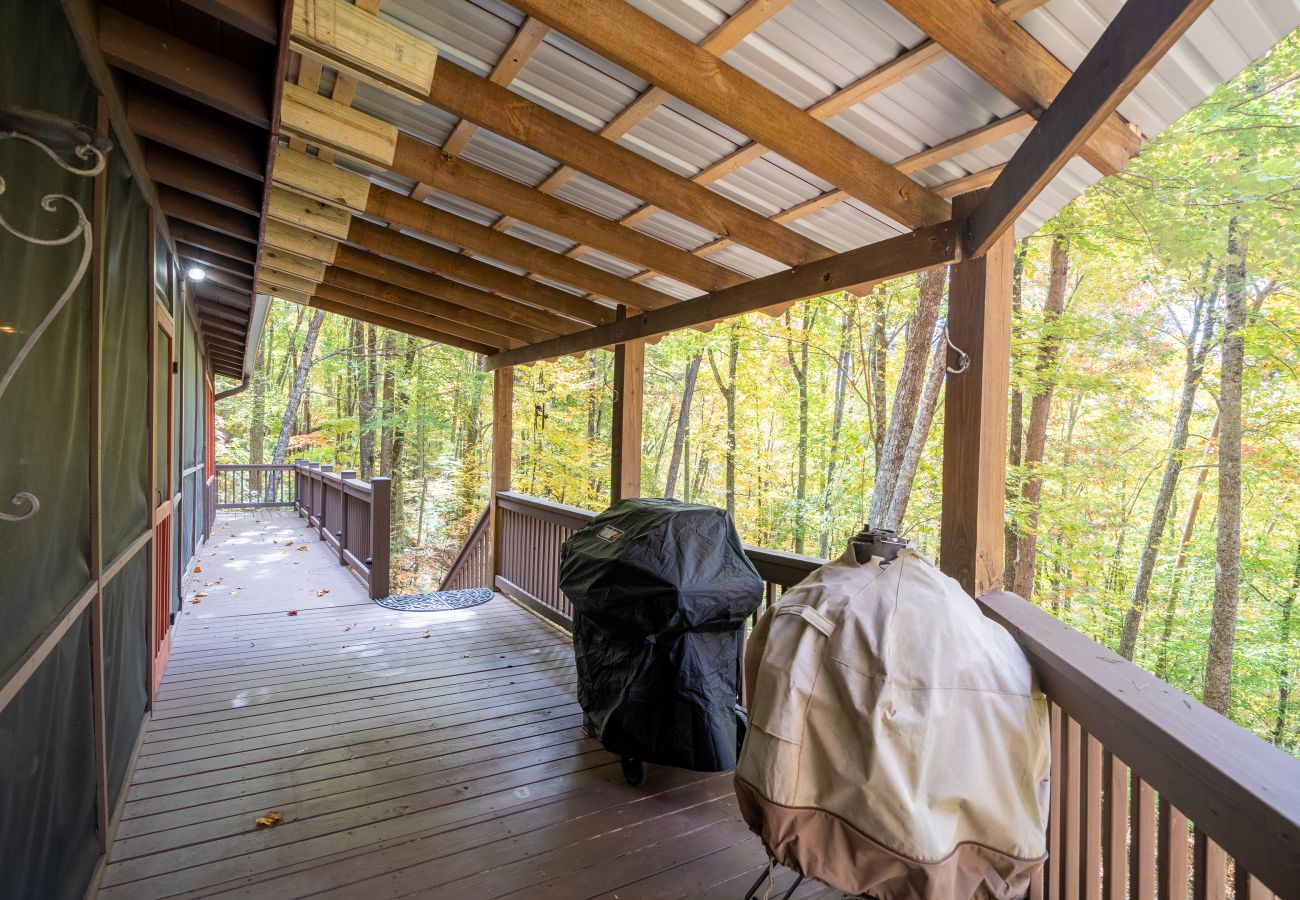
(806, 52)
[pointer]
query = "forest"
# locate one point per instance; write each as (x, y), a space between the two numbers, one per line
(1153, 497)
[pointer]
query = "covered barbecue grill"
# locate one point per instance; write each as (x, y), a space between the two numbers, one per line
(660, 592)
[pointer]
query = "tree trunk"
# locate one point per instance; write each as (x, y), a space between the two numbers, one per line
(799, 368)
(879, 354)
(843, 362)
(683, 423)
(1227, 553)
(296, 390)
(920, 432)
(1016, 422)
(728, 390)
(388, 395)
(1285, 677)
(907, 394)
(1203, 320)
(257, 425)
(1039, 412)
(366, 407)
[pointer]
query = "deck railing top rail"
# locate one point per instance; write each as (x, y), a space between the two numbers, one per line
(1110, 718)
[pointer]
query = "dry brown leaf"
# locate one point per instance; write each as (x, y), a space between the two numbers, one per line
(322, 592)
(292, 612)
(200, 594)
(426, 634)
(270, 820)
(196, 601)
(200, 568)
(288, 543)
(302, 547)
(346, 630)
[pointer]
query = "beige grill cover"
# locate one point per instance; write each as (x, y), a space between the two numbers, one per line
(898, 742)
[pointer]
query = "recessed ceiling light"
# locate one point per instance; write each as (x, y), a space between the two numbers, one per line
(196, 274)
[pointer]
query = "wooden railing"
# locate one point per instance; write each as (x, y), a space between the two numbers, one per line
(254, 486)
(472, 566)
(1153, 794)
(352, 516)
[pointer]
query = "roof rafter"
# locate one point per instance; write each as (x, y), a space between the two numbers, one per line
(634, 40)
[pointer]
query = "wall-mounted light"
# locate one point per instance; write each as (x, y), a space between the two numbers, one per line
(196, 274)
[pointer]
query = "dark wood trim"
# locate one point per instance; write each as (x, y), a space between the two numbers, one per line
(13, 680)
(273, 135)
(198, 211)
(975, 415)
(260, 18)
(404, 313)
(926, 248)
(374, 318)
(204, 137)
(481, 527)
(206, 238)
(202, 179)
(213, 260)
(503, 410)
(627, 424)
(1136, 39)
(188, 70)
(574, 517)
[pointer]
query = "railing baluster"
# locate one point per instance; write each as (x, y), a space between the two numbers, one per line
(1091, 786)
(1070, 808)
(1114, 838)
(1171, 853)
(1052, 875)
(1142, 850)
(1210, 875)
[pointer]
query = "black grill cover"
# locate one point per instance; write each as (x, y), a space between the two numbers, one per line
(660, 592)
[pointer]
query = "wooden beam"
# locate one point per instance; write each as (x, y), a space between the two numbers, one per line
(241, 302)
(513, 251)
(260, 18)
(359, 43)
(1136, 39)
(308, 213)
(309, 117)
(223, 219)
(503, 397)
(431, 166)
(202, 179)
(208, 239)
(402, 312)
(548, 300)
(634, 40)
(188, 70)
(355, 312)
(210, 260)
(497, 109)
(971, 182)
(302, 266)
(433, 306)
(627, 424)
(932, 246)
(512, 60)
(227, 280)
(299, 242)
(990, 42)
(320, 179)
(540, 323)
(195, 134)
(975, 415)
(267, 275)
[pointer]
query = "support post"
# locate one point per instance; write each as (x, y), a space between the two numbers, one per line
(975, 414)
(321, 528)
(381, 534)
(625, 438)
(503, 405)
(344, 477)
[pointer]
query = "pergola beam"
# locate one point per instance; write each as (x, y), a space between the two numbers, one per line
(210, 260)
(493, 107)
(260, 18)
(1139, 35)
(996, 48)
(202, 179)
(634, 40)
(934, 245)
(198, 211)
(373, 298)
(208, 239)
(203, 136)
(386, 321)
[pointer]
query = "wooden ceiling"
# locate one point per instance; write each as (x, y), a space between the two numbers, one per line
(212, 88)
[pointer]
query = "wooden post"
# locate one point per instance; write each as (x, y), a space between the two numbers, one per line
(503, 404)
(625, 439)
(344, 477)
(321, 527)
(381, 528)
(975, 414)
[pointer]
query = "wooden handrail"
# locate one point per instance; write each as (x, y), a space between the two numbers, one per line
(476, 534)
(1109, 717)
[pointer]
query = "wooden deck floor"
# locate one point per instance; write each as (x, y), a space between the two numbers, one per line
(410, 754)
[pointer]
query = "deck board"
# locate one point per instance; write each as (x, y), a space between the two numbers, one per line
(452, 765)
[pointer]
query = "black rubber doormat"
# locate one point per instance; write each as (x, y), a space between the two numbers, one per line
(437, 601)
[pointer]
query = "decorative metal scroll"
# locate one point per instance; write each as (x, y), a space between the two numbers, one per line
(52, 135)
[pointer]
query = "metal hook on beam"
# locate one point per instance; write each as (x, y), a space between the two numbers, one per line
(963, 358)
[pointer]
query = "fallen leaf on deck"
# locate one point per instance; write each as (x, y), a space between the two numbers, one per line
(196, 601)
(302, 547)
(200, 568)
(346, 630)
(270, 820)
(426, 634)
(288, 543)
(200, 594)
(322, 592)
(292, 612)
